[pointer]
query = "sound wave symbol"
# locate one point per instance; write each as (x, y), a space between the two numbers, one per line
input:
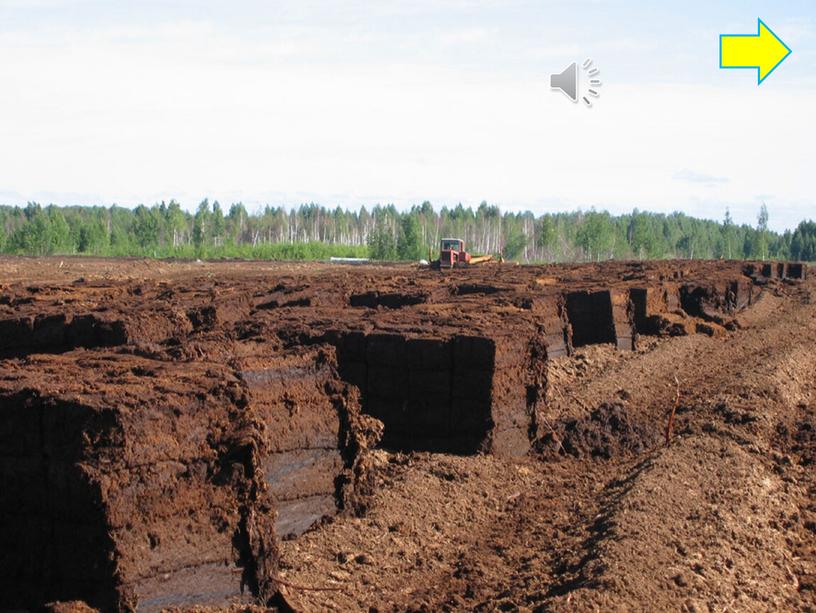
(595, 83)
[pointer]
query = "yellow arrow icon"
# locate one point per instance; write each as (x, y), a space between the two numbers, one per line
(763, 51)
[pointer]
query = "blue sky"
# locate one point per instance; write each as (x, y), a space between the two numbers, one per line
(356, 102)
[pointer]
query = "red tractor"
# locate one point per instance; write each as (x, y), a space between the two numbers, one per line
(452, 254)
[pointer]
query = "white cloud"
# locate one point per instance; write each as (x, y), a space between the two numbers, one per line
(289, 112)
(691, 176)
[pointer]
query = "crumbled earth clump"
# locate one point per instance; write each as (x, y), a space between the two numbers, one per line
(608, 431)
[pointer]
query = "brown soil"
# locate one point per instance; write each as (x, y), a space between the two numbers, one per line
(169, 424)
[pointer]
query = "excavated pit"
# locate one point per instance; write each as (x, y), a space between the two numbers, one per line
(777, 270)
(458, 394)
(590, 316)
(161, 435)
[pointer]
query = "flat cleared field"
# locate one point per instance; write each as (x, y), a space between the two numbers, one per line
(232, 435)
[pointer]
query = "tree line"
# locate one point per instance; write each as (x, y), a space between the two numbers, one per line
(311, 231)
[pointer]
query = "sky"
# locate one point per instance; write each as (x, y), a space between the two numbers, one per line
(357, 103)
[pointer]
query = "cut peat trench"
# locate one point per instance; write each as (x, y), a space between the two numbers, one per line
(157, 445)
(460, 394)
(173, 475)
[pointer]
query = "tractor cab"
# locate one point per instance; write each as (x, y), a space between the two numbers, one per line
(452, 253)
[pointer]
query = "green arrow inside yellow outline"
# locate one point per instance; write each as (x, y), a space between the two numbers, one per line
(763, 51)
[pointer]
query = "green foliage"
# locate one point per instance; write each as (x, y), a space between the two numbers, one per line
(409, 244)
(218, 224)
(32, 238)
(596, 236)
(515, 240)
(761, 241)
(729, 246)
(312, 250)
(145, 228)
(175, 223)
(803, 242)
(547, 232)
(44, 233)
(58, 230)
(385, 233)
(643, 234)
(201, 225)
(381, 244)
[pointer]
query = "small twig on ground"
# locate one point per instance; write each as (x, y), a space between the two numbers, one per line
(670, 425)
(554, 435)
(580, 403)
(512, 497)
(793, 577)
(307, 588)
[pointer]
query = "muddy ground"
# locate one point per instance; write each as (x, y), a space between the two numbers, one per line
(599, 512)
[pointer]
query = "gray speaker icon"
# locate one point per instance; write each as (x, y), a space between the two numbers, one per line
(567, 81)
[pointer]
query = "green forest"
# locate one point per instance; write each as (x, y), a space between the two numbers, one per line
(311, 231)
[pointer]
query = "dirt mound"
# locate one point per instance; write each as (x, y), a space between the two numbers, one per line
(700, 525)
(798, 437)
(608, 431)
